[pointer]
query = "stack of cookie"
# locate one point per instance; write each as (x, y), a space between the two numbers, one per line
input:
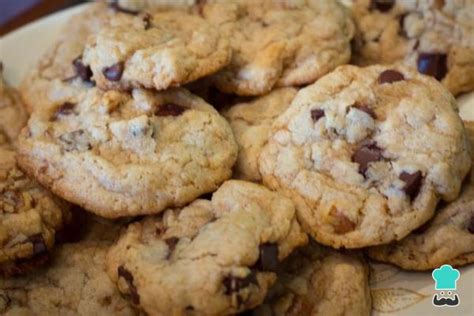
(173, 163)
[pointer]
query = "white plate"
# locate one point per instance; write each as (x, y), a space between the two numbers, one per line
(394, 291)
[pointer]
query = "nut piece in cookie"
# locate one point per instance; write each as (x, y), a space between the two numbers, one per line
(448, 238)
(434, 37)
(367, 153)
(121, 154)
(316, 280)
(159, 50)
(213, 257)
(251, 123)
(30, 217)
(74, 283)
(279, 43)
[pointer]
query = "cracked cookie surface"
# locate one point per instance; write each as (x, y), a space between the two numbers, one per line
(448, 238)
(367, 153)
(280, 43)
(157, 50)
(251, 123)
(435, 37)
(123, 154)
(75, 283)
(316, 280)
(12, 113)
(30, 217)
(210, 258)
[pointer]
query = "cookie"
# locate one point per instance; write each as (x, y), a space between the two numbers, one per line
(12, 113)
(446, 239)
(435, 37)
(318, 281)
(30, 216)
(61, 73)
(279, 44)
(213, 257)
(122, 154)
(159, 50)
(367, 153)
(74, 284)
(251, 123)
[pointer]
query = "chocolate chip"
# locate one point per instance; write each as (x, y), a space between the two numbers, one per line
(382, 5)
(170, 109)
(365, 109)
(124, 273)
(39, 246)
(66, 109)
(115, 5)
(390, 76)
(412, 183)
(316, 114)
(82, 71)
(147, 21)
(471, 225)
(341, 223)
(434, 65)
(366, 154)
(114, 72)
(268, 260)
(234, 284)
(172, 242)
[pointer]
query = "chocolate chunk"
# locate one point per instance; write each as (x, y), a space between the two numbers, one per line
(341, 223)
(412, 183)
(147, 21)
(115, 5)
(82, 71)
(268, 260)
(66, 109)
(434, 65)
(170, 109)
(470, 228)
(390, 75)
(382, 5)
(172, 242)
(234, 284)
(39, 246)
(316, 114)
(365, 109)
(114, 72)
(366, 154)
(124, 273)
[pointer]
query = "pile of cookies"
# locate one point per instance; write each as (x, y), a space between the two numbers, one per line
(223, 157)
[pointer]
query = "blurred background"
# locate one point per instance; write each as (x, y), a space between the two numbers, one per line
(15, 13)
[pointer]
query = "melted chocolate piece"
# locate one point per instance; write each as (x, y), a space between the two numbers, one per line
(172, 242)
(434, 65)
(66, 109)
(128, 277)
(390, 76)
(170, 109)
(82, 71)
(39, 246)
(412, 183)
(366, 154)
(114, 72)
(316, 114)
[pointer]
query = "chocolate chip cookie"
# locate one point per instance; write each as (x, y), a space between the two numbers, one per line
(12, 113)
(129, 153)
(29, 218)
(435, 37)
(446, 239)
(279, 43)
(367, 153)
(251, 122)
(210, 258)
(159, 50)
(75, 283)
(318, 281)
